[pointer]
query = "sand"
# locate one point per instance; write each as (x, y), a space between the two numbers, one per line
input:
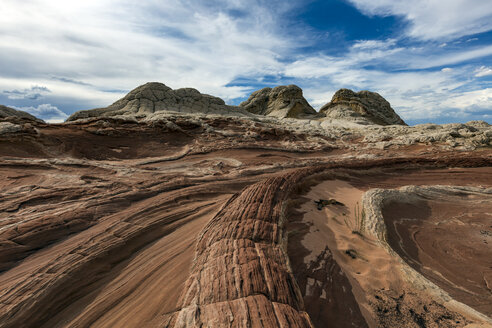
(449, 242)
(370, 269)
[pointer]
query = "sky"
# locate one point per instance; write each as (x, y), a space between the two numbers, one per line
(432, 60)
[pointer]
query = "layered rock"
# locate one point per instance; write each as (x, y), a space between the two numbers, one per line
(241, 259)
(281, 102)
(154, 97)
(471, 135)
(10, 112)
(115, 222)
(363, 107)
(184, 220)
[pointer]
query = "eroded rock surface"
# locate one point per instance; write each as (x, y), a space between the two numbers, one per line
(363, 107)
(281, 102)
(385, 295)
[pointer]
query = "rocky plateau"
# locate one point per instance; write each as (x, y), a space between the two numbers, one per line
(170, 208)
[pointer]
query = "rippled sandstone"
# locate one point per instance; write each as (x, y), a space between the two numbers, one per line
(171, 209)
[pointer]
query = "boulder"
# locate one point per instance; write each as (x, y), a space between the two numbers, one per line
(363, 107)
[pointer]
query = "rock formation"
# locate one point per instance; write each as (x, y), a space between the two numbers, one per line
(363, 107)
(10, 112)
(154, 97)
(123, 218)
(280, 102)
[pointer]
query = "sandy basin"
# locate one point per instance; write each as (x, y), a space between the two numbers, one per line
(347, 278)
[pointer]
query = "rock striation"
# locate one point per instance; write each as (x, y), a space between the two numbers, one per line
(154, 97)
(281, 102)
(363, 107)
(6, 112)
(241, 259)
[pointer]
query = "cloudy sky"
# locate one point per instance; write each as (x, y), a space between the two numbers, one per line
(431, 59)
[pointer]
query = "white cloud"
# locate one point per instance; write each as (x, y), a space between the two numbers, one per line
(79, 95)
(32, 93)
(373, 44)
(472, 101)
(318, 96)
(46, 112)
(450, 58)
(483, 71)
(382, 52)
(361, 53)
(413, 94)
(121, 44)
(434, 19)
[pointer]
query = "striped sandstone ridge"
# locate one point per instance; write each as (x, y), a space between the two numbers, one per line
(241, 269)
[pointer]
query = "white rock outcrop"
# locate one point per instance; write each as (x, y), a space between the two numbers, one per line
(363, 107)
(281, 102)
(154, 97)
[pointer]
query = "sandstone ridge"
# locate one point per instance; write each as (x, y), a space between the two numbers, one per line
(363, 107)
(153, 99)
